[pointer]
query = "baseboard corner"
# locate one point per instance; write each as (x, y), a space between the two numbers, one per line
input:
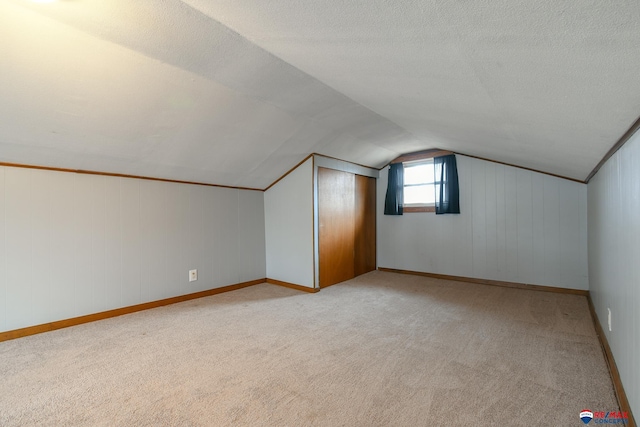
(618, 388)
(515, 285)
(292, 286)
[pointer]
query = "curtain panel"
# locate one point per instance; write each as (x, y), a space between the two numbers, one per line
(446, 185)
(395, 190)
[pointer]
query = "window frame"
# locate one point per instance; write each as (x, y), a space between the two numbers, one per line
(418, 207)
(413, 158)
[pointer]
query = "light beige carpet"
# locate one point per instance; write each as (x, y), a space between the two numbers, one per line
(382, 349)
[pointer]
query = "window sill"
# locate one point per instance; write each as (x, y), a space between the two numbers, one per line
(412, 209)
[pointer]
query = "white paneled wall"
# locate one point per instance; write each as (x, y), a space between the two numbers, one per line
(73, 244)
(614, 259)
(289, 227)
(515, 226)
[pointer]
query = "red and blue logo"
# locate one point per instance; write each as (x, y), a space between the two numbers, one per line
(602, 417)
(586, 416)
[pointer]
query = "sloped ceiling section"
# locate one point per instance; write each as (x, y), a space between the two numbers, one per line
(158, 89)
(550, 85)
(236, 92)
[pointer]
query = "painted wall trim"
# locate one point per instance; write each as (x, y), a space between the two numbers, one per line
(514, 285)
(346, 161)
(615, 148)
(60, 324)
(618, 145)
(315, 156)
(323, 161)
(288, 172)
(314, 237)
(316, 225)
(523, 167)
(425, 154)
(120, 175)
(621, 395)
(293, 286)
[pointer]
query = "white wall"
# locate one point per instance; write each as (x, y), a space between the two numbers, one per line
(289, 227)
(515, 225)
(73, 244)
(614, 259)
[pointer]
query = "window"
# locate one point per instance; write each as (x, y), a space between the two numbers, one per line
(412, 187)
(419, 189)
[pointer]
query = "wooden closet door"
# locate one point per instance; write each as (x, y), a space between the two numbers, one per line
(365, 225)
(336, 234)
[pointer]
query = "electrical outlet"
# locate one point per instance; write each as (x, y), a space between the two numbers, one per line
(193, 275)
(609, 318)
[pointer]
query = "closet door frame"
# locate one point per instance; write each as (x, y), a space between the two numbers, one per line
(340, 165)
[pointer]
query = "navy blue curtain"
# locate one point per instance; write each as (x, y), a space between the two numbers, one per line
(395, 190)
(446, 182)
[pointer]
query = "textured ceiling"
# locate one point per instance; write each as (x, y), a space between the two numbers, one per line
(236, 92)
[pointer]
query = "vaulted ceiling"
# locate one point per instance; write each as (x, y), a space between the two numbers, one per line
(236, 92)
